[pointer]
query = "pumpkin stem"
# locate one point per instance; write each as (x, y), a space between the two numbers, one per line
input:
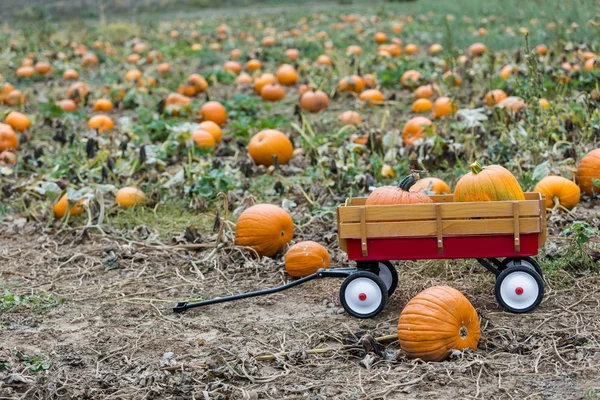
(556, 201)
(476, 167)
(409, 180)
(463, 332)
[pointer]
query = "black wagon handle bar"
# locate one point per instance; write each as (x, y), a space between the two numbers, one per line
(321, 273)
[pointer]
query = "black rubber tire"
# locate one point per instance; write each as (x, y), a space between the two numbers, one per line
(375, 267)
(374, 278)
(530, 260)
(521, 268)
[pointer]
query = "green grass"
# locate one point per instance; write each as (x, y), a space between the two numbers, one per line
(33, 302)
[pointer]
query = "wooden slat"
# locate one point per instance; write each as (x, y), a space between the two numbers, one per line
(542, 235)
(449, 227)
(417, 212)
(444, 198)
(363, 232)
(440, 228)
(516, 226)
(342, 242)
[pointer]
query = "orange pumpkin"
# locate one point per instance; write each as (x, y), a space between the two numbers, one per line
(8, 138)
(243, 78)
(214, 111)
(494, 97)
(414, 129)
(15, 98)
(176, 102)
(102, 123)
(25, 71)
(8, 157)
(400, 194)
(292, 54)
(19, 122)
(350, 118)
(204, 140)
(78, 91)
(435, 322)
(213, 129)
(103, 105)
(380, 37)
(232, 66)
(263, 80)
(411, 48)
(431, 185)
(427, 91)
(67, 105)
(164, 68)
(435, 48)
(352, 83)
(272, 92)
(198, 82)
(506, 72)
(410, 78)
(266, 228)
(306, 258)
(61, 207)
(544, 104)
(325, 60)
(70, 74)
(89, 59)
(129, 197)
(512, 104)
(541, 49)
(43, 67)
(287, 75)
(314, 101)
(588, 172)
(421, 106)
(353, 50)
(253, 65)
(270, 144)
(452, 78)
(491, 183)
(559, 191)
(477, 49)
(443, 107)
(372, 97)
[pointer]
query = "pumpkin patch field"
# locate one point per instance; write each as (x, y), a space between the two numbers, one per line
(194, 153)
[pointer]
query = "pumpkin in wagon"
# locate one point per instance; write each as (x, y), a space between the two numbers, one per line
(400, 194)
(306, 258)
(266, 228)
(431, 185)
(491, 183)
(437, 321)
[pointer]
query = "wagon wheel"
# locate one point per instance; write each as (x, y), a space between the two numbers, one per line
(525, 261)
(386, 271)
(519, 289)
(363, 294)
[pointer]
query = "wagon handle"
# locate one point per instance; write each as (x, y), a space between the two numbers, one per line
(321, 273)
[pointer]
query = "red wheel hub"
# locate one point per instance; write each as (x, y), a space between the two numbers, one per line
(362, 297)
(519, 291)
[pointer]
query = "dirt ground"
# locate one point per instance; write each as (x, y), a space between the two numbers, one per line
(116, 337)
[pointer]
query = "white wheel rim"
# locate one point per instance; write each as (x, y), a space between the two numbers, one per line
(363, 295)
(519, 290)
(386, 275)
(524, 263)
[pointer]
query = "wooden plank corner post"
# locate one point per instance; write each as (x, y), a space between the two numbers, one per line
(363, 231)
(516, 227)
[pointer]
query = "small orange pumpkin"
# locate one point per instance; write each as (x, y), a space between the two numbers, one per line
(60, 208)
(431, 185)
(491, 183)
(352, 83)
(176, 102)
(263, 80)
(232, 66)
(494, 97)
(214, 111)
(78, 91)
(292, 54)
(102, 123)
(559, 191)
(414, 129)
(67, 105)
(8, 157)
(477, 49)
(8, 138)
(401, 194)
(512, 104)
(272, 92)
(204, 140)
(287, 75)
(443, 107)
(410, 78)
(435, 322)
(421, 106)
(427, 91)
(314, 101)
(253, 65)
(588, 171)
(15, 98)
(325, 60)
(350, 118)
(43, 67)
(306, 258)
(70, 74)
(129, 197)
(266, 228)
(213, 129)
(372, 97)
(19, 122)
(269, 144)
(103, 105)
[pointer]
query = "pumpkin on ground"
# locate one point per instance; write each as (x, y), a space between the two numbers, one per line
(400, 194)
(372, 97)
(443, 107)
(559, 191)
(270, 144)
(213, 129)
(437, 321)
(102, 123)
(353, 84)
(129, 196)
(204, 139)
(272, 92)
(8, 138)
(494, 97)
(214, 111)
(414, 129)
(287, 75)
(60, 208)
(431, 185)
(588, 173)
(305, 258)
(491, 183)
(350, 118)
(314, 101)
(19, 122)
(410, 78)
(264, 227)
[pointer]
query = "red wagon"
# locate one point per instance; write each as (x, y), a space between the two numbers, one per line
(373, 236)
(485, 231)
